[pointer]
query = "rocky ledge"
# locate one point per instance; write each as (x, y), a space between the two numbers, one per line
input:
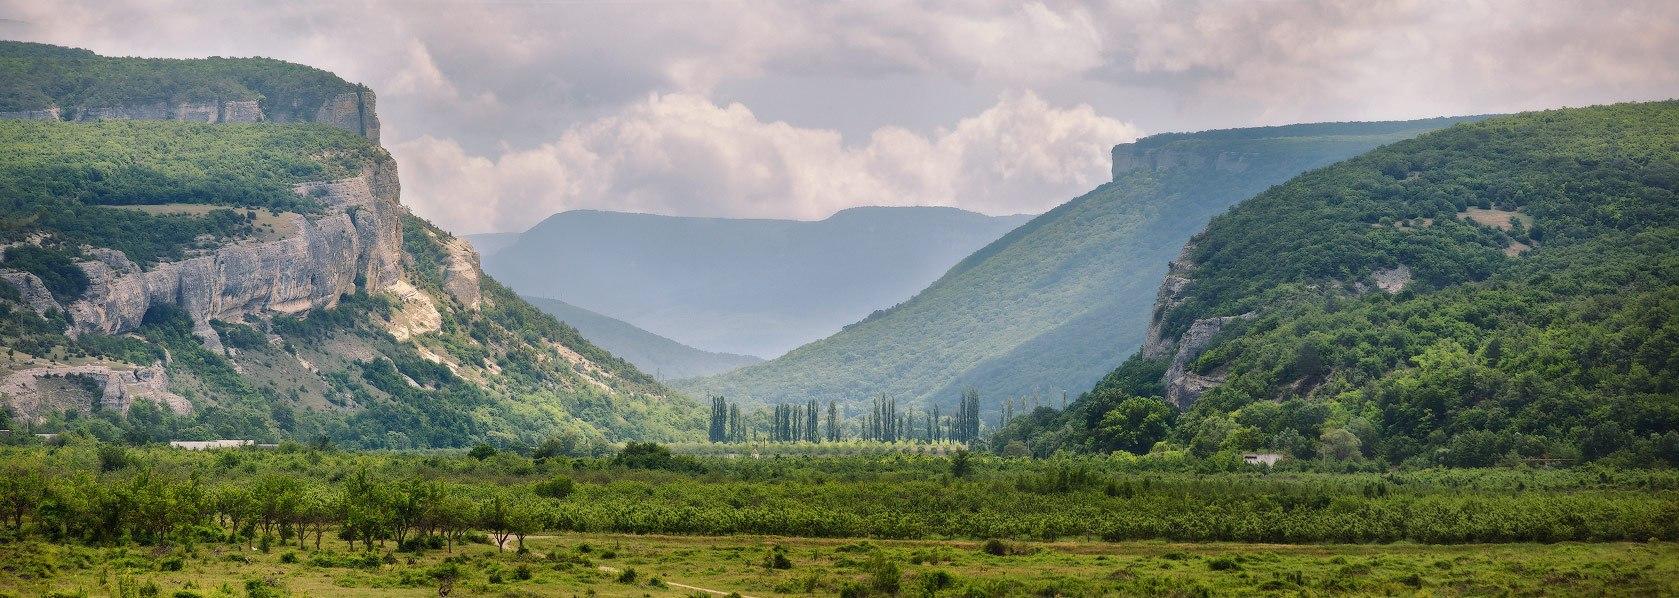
(358, 240)
(34, 395)
(353, 111)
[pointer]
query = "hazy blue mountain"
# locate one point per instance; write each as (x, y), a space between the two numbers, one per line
(665, 359)
(487, 244)
(747, 286)
(1058, 302)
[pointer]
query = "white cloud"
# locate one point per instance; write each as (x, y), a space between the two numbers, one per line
(682, 154)
(549, 102)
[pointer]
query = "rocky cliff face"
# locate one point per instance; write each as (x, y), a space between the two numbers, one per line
(238, 111)
(1129, 156)
(48, 113)
(357, 241)
(37, 392)
(352, 111)
(460, 273)
(1183, 386)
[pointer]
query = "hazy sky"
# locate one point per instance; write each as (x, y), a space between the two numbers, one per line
(503, 112)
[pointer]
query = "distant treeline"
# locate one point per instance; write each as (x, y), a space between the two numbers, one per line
(883, 422)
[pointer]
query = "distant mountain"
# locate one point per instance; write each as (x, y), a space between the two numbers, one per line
(665, 359)
(487, 244)
(1056, 303)
(749, 286)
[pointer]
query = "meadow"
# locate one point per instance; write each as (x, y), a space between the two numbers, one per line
(86, 518)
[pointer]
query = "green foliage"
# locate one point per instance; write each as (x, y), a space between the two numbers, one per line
(1562, 352)
(557, 487)
(55, 267)
(35, 76)
(239, 336)
(648, 455)
(60, 178)
(1047, 305)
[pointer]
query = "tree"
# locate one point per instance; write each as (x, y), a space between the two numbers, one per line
(1135, 425)
(1339, 443)
(495, 517)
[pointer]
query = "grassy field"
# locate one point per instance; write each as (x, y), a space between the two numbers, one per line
(622, 565)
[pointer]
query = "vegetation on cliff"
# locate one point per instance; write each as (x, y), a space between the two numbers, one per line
(34, 76)
(1545, 332)
(64, 178)
(1050, 306)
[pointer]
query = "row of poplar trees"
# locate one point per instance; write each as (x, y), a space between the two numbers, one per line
(796, 422)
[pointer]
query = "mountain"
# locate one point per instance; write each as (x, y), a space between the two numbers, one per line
(488, 244)
(1493, 292)
(665, 359)
(747, 286)
(199, 249)
(1053, 305)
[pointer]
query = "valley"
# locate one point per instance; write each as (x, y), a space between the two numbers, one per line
(242, 354)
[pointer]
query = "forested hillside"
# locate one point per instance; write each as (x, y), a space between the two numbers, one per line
(1052, 305)
(165, 280)
(660, 357)
(745, 286)
(39, 76)
(1494, 292)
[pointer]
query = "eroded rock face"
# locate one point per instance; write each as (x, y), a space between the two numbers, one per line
(33, 395)
(352, 111)
(1182, 385)
(1392, 280)
(1172, 288)
(358, 239)
(48, 113)
(33, 292)
(460, 273)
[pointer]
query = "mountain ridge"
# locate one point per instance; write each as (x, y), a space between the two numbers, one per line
(744, 286)
(1055, 281)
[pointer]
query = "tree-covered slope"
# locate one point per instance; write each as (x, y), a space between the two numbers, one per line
(745, 286)
(37, 76)
(1487, 293)
(1052, 305)
(184, 280)
(661, 357)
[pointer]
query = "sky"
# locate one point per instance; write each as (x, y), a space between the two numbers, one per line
(502, 112)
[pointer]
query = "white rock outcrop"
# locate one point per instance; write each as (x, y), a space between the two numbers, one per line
(352, 111)
(357, 240)
(460, 273)
(33, 292)
(117, 388)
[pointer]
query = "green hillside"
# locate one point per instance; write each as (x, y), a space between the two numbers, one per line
(35, 76)
(1537, 319)
(661, 357)
(1053, 305)
(165, 280)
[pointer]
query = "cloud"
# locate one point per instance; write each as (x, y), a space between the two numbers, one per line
(538, 99)
(685, 155)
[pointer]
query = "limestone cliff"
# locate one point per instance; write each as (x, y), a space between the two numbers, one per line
(1131, 156)
(1183, 386)
(358, 240)
(36, 392)
(353, 111)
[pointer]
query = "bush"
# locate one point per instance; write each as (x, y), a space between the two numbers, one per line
(557, 487)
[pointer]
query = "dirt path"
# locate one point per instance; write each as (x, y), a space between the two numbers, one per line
(615, 571)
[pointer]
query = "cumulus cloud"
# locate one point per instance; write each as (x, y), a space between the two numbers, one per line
(683, 154)
(566, 104)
